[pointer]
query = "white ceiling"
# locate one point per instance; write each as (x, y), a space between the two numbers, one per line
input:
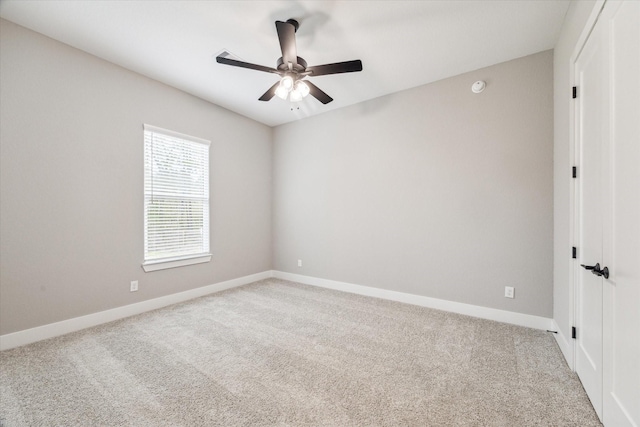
(402, 44)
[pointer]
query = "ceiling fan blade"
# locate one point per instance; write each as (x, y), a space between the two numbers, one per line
(270, 93)
(236, 63)
(287, 38)
(317, 93)
(337, 68)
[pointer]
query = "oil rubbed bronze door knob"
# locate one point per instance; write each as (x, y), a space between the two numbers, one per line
(595, 269)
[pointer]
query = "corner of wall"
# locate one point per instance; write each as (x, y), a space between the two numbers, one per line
(272, 143)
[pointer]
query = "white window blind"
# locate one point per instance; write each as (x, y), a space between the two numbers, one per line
(176, 196)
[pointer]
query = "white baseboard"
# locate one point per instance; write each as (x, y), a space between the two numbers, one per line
(17, 339)
(565, 345)
(530, 321)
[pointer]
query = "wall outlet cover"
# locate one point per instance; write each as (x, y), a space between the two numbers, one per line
(509, 292)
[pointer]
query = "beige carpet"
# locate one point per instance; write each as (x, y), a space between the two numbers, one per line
(277, 353)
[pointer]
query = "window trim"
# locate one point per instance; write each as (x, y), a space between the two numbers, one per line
(166, 263)
(191, 259)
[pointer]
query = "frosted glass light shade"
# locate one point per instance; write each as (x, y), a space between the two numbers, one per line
(295, 95)
(281, 92)
(302, 88)
(287, 82)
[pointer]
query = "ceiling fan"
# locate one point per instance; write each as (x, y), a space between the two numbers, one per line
(293, 70)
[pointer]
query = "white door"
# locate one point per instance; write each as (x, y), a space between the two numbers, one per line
(590, 131)
(608, 206)
(621, 231)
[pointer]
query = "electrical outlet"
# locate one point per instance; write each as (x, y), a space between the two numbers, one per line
(299, 263)
(134, 285)
(509, 292)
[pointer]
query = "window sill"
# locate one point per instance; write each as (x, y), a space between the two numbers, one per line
(175, 262)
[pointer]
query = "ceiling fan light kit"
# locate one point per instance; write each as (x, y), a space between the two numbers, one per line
(293, 69)
(295, 91)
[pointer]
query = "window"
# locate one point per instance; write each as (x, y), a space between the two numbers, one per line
(176, 199)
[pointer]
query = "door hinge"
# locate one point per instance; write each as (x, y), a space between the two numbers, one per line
(574, 172)
(573, 332)
(574, 252)
(574, 92)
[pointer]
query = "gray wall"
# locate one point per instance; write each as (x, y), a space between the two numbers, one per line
(574, 22)
(434, 191)
(71, 183)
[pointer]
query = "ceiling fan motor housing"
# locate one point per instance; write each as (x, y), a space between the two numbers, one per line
(300, 67)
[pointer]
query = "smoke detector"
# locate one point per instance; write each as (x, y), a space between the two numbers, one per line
(478, 86)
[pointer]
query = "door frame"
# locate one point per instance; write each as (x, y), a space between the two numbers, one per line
(574, 199)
